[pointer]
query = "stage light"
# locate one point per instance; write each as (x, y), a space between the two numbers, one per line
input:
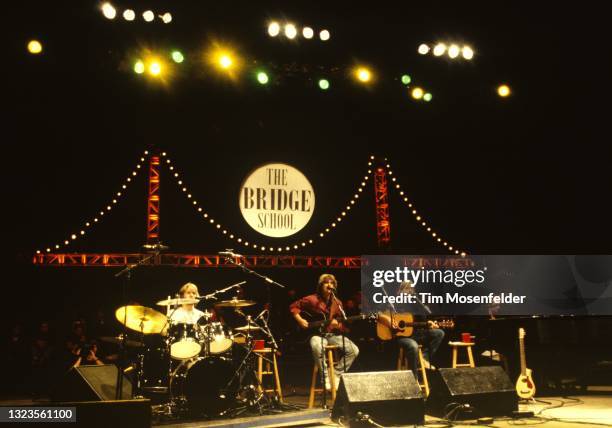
(467, 52)
(363, 74)
(139, 67)
(324, 84)
(439, 49)
(307, 32)
(225, 61)
(177, 57)
(34, 47)
(324, 35)
(406, 79)
(453, 51)
(417, 93)
(503, 91)
(155, 68)
(129, 15)
(262, 77)
(108, 11)
(290, 31)
(427, 97)
(166, 18)
(148, 15)
(423, 49)
(273, 29)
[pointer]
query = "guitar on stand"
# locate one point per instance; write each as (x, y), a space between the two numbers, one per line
(525, 388)
(406, 325)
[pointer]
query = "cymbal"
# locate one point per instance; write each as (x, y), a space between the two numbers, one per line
(234, 303)
(179, 301)
(141, 319)
(118, 339)
(248, 328)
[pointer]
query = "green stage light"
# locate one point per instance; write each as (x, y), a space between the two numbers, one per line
(406, 79)
(139, 67)
(177, 57)
(324, 84)
(262, 78)
(427, 97)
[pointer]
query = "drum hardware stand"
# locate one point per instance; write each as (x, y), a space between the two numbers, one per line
(127, 271)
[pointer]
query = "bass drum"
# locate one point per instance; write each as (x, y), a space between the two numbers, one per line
(203, 383)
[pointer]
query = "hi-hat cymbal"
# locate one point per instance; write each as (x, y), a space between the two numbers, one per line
(118, 339)
(248, 327)
(179, 301)
(234, 303)
(141, 319)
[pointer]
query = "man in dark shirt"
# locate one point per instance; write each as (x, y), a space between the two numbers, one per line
(325, 304)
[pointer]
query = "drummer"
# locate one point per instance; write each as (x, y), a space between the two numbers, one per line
(188, 313)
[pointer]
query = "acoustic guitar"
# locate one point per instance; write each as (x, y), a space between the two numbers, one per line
(406, 325)
(525, 388)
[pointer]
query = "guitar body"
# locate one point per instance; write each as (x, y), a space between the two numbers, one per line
(405, 322)
(525, 388)
(406, 325)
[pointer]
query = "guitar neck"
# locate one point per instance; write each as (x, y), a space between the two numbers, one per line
(523, 359)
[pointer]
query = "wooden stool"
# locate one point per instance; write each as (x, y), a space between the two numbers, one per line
(402, 364)
(271, 368)
(329, 353)
(468, 348)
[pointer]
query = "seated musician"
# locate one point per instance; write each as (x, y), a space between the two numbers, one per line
(188, 313)
(430, 337)
(325, 304)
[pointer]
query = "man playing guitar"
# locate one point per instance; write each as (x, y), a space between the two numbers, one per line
(326, 306)
(430, 336)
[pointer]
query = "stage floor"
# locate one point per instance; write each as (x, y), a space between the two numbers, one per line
(592, 410)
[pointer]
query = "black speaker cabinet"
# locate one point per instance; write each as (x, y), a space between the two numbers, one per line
(487, 390)
(91, 383)
(389, 398)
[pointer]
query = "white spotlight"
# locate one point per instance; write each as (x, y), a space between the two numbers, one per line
(129, 15)
(307, 32)
(166, 18)
(467, 52)
(148, 15)
(453, 51)
(273, 29)
(423, 49)
(290, 31)
(439, 49)
(109, 11)
(324, 35)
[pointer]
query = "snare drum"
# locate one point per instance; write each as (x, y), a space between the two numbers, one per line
(216, 338)
(184, 340)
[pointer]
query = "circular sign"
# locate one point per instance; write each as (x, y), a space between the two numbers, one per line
(276, 200)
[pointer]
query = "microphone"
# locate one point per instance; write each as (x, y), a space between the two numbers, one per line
(229, 253)
(155, 247)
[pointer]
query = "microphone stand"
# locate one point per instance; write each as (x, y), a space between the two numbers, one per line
(127, 271)
(339, 305)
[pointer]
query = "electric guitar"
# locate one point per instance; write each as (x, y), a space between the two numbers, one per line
(406, 325)
(525, 388)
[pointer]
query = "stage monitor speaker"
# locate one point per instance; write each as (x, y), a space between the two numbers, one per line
(91, 383)
(388, 398)
(487, 391)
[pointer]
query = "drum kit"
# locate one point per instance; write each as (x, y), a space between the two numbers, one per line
(194, 368)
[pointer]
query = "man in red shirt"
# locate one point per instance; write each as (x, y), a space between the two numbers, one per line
(325, 305)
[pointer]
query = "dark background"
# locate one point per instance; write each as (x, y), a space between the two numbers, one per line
(528, 174)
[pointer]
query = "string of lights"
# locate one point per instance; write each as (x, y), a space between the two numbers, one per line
(88, 224)
(207, 218)
(417, 216)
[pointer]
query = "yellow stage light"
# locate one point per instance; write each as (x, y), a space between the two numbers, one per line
(224, 59)
(467, 52)
(363, 74)
(34, 47)
(423, 49)
(148, 15)
(109, 11)
(273, 29)
(129, 15)
(417, 93)
(139, 67)
(503, 91)
(439, 49)
(453, 51)
(155, 68)
(290, 31)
